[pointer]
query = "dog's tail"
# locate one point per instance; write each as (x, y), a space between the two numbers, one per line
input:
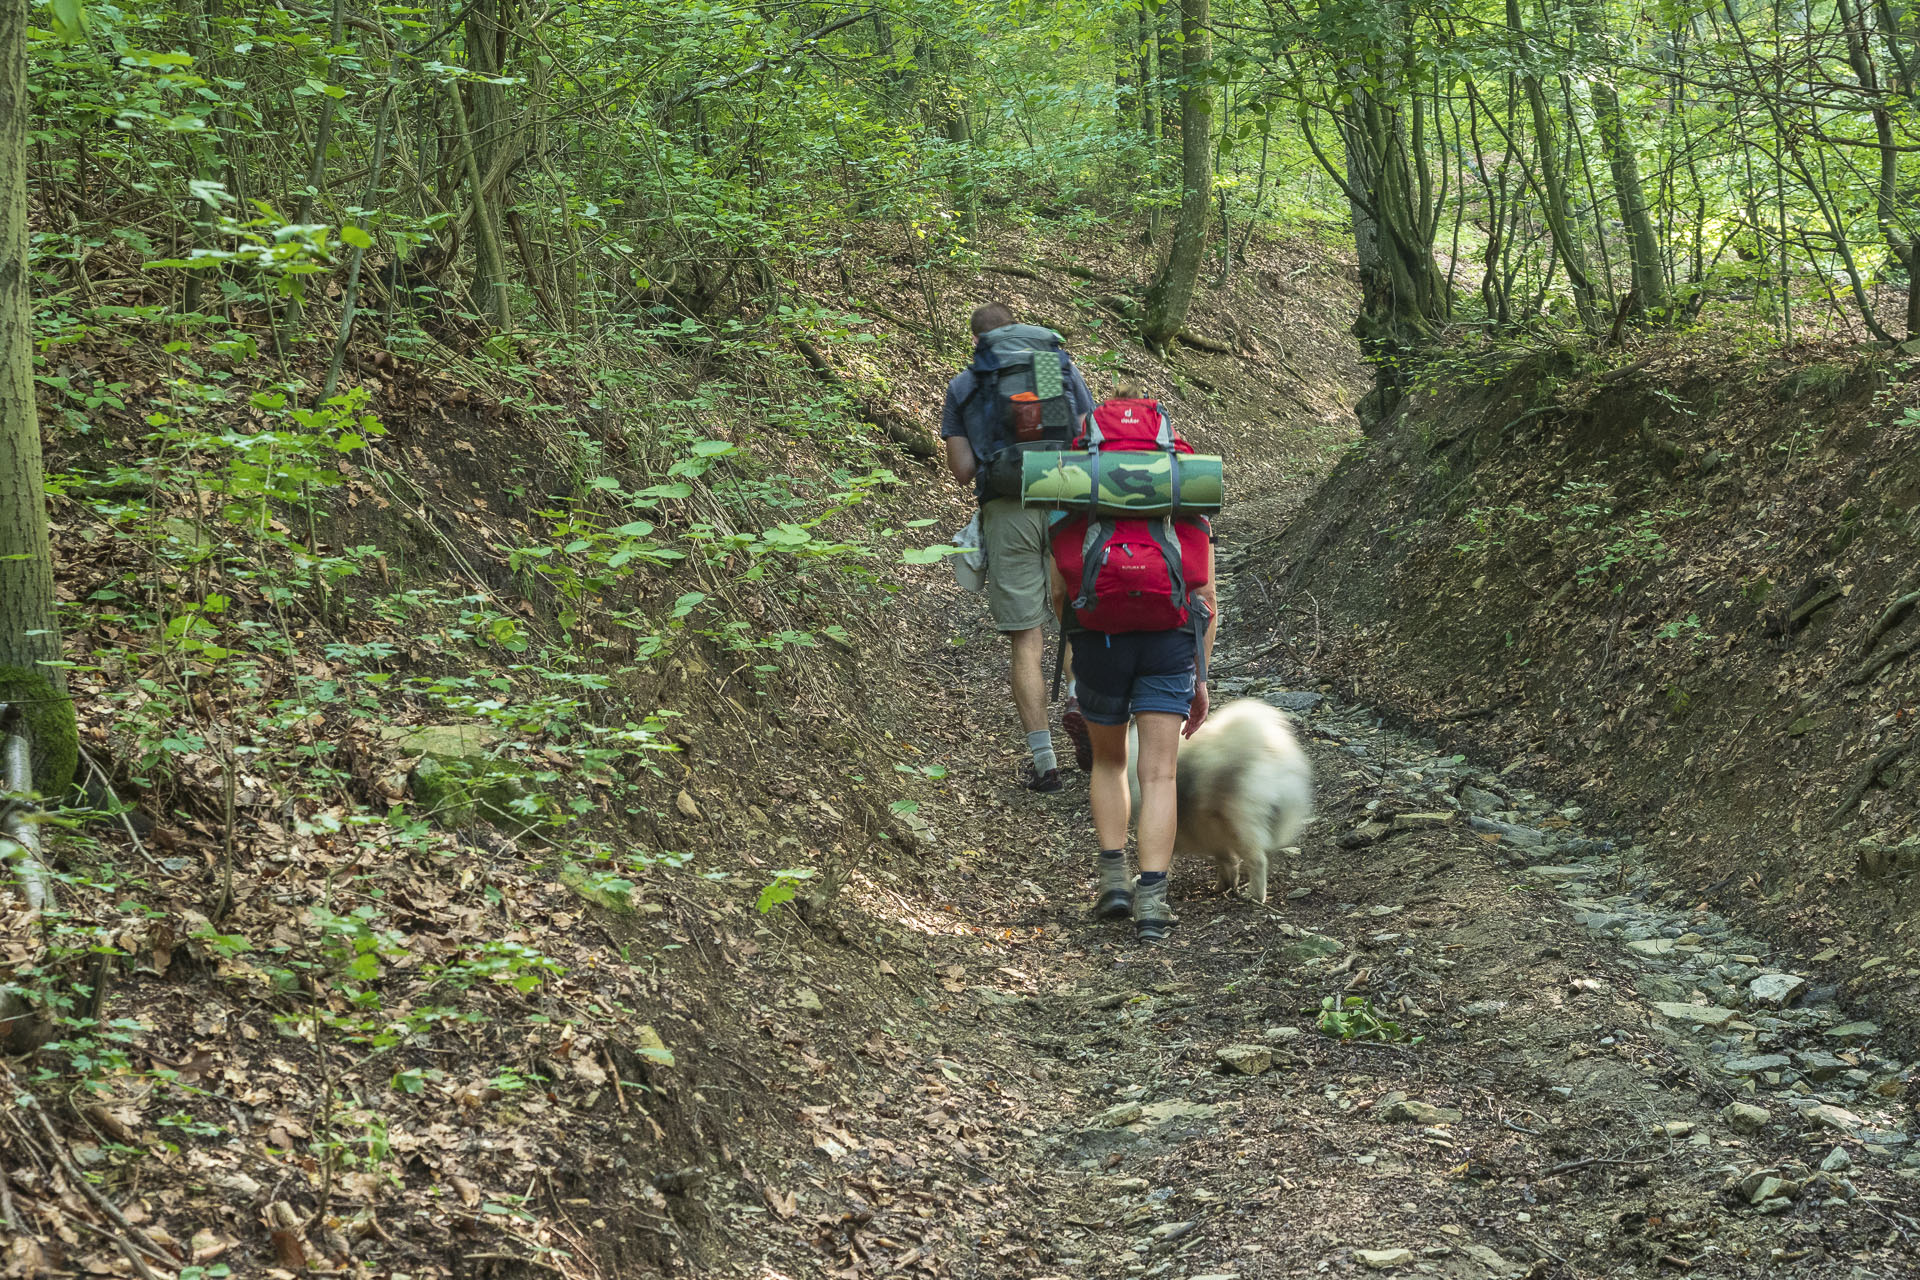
(1290, 808)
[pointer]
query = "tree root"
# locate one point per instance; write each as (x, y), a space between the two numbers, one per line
(1200, 342)
(1889, 619)
(1868, 776)
(1886, 659)
(902, 433)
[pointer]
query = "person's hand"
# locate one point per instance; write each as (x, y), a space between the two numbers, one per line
(1197, 710)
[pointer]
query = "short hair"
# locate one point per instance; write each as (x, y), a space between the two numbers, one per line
(991, 317)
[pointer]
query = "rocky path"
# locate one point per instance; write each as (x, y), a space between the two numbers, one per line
(1469, 1037)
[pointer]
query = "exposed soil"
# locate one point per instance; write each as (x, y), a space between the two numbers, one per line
(1671, 579)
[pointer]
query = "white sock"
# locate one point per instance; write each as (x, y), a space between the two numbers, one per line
(1040, 742)
(1072, 689)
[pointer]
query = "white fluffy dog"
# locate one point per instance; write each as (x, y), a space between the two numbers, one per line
(1245, 789)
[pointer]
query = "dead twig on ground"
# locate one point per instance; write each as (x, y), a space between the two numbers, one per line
(134, 1242)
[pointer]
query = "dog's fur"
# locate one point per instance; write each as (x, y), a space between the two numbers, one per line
(1245, 789)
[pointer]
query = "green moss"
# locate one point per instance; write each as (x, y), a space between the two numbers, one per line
(50, 727)
(442, 793)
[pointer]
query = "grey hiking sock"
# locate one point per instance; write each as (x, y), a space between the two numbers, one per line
(1040, 742)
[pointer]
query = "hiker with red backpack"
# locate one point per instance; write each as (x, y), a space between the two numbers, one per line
(1132, 581)
(1021, 393)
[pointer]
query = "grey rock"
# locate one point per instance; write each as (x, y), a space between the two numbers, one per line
(1837, 1161)
(1483, 1008)
(1745, 1117)
(1298, 701)
(1828, 1116)
(1756, 1064)
(1819, 1065)
(1310, 946)
(1527, 837)
(1364, 834)
(1480, 802)
(1383, 1259)
(1765, 1185)
(1854, 1032)
(1775, 989)
(1398, 1107)
(1701, 1015)
(1884, 1137)
(1564, 874)
(1245, 1059)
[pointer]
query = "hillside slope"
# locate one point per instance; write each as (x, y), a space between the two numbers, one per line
(1681, 582)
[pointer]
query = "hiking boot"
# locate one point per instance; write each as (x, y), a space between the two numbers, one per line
(1116, 890)
(1151, 918)
(1075, 726)
(1036, 781)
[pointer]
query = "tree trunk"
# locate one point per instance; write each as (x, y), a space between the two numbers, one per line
(1172, 291)
(29, 627)
(1553, 182)
(1649, 275)
(1889, 197)
(484, 132)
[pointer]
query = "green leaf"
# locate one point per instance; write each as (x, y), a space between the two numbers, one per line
(356, 237)
(713, 449)
(69, 20)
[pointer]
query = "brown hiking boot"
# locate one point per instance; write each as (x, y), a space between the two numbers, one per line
(1075, 726)
(1048, 781)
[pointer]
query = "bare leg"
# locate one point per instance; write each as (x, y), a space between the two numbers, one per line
(1112, 805)
(1159, 801)
(1029, 685)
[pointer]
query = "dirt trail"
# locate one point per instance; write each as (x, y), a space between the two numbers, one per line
(1570, 1108)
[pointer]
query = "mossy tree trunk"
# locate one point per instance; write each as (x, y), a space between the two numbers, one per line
(1649, 265)
(1567, 241)
(29, 629)
(1171, 293)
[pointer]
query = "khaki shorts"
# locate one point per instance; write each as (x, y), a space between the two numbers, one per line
(1016, 542)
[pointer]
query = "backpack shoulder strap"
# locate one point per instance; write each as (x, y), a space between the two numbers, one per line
(1099, 532)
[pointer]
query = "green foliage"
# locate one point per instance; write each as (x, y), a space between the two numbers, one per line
(1355, 1018)
(784, 887)
(48, 719)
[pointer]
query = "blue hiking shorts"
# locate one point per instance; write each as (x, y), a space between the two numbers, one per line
(1118, 676)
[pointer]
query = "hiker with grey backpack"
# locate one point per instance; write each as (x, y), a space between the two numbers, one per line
(1020, 394)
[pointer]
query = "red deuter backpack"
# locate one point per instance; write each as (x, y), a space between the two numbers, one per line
(1133, 573)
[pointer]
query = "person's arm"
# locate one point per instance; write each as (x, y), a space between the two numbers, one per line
(960, 459)
(1197, 713)
(1077, 392)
